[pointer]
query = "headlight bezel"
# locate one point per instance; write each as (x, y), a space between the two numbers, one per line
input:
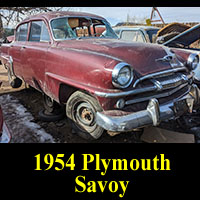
(191, 59)
(116, 72)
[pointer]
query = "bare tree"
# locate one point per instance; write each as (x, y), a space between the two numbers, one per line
(12, 15)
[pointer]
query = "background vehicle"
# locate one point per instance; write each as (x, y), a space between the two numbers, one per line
(183, 37)
(137, 33)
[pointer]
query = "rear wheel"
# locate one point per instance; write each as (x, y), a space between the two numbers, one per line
(52, 110)
(16, 83)
(13, 80)
(50, 105)
(81, 110)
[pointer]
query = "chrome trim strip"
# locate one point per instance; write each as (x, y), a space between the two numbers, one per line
(165, 85)
(128, 93)
(159, 74)
(190, 60)
(169, 93)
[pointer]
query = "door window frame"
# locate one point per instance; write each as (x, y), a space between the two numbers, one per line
(44, 42)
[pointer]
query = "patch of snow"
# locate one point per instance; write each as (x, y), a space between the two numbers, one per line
(23, 129)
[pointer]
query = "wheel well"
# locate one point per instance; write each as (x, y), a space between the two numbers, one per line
(65, 91)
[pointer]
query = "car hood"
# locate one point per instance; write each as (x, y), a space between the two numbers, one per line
(142, 57)
(185, 38)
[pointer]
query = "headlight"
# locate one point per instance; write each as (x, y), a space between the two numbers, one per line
(193, 61)
(122, 75)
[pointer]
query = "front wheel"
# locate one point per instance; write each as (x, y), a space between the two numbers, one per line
(81, 110)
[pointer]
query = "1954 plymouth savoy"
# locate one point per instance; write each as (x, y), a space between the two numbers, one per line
(76, 59)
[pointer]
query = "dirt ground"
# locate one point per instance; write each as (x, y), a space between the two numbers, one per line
(21, 107)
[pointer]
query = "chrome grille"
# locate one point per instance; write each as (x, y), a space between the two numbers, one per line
(166, 86)
(171, 81)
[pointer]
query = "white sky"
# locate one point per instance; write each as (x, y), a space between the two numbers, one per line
(169, 14)
(119, 14)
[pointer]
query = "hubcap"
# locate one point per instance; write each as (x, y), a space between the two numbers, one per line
(85, 114)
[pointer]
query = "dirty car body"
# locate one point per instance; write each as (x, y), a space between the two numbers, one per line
(105, 83)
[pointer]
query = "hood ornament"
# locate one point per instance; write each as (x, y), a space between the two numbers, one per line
(170, 58)
(167, 58)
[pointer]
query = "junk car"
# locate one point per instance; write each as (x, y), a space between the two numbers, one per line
(103, 82)
(182, 37)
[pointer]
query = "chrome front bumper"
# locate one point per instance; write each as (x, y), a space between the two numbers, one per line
(152, 116)
(5, 136)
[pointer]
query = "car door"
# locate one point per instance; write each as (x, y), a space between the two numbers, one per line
(34, 54)
(16, 47)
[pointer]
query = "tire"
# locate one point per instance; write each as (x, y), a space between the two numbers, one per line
(81, 110)
(16, 83)
(49, 117)
(50, 105)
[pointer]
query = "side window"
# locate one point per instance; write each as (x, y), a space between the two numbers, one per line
(22, 32)
(39, 32)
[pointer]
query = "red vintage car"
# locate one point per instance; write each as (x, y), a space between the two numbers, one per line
(104, 83)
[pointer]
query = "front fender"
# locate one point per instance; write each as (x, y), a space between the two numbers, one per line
(53, 83)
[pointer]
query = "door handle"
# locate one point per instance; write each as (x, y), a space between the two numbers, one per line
(23, 47)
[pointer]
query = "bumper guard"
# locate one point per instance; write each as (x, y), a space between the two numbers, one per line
(152, 116)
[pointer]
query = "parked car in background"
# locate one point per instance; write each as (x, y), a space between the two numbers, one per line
(5, 136)
(137, 33)
(103, 82)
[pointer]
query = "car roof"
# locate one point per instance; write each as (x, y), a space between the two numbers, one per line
(52, 15)
(136, 27)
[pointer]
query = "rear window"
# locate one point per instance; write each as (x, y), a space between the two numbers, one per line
(131, 35)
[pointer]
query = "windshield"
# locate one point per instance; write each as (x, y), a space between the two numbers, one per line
(72, 28)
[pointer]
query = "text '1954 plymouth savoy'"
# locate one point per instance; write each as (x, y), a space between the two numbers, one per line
(76, 59)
